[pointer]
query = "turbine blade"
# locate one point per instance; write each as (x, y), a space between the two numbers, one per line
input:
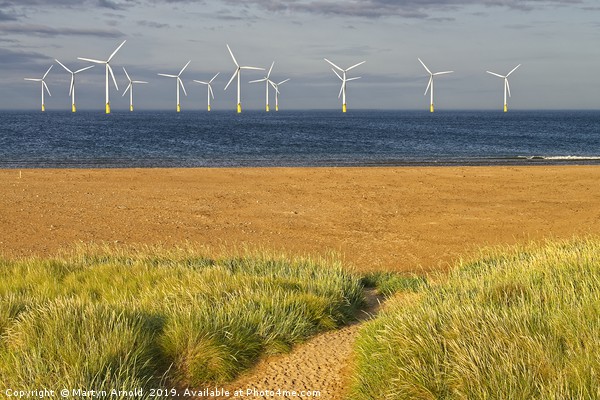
(33, 79)
(231, 52)
(333, 64)
(72, 85)
(284, 81)
(425, 66)
(211, 91)
(126, 74)
(258, 80)
(184, 67)
(274, 86)
(139, 82)
(513, 70)
(181, 83)
(232, 77)
(341, 90)
(338, 75)
(213, 78)
(91, 60)
(442, 73)
(115, 52)
(126, 89)
(62, 65)
(112, 74)
(507, 86)
(44, 77)
(428, 85)
(202, 82)
(355, 65)
(83, 69)
(46, 86)
(498, 75)
(353, 79)
(270, 69)
(254, 68)
(168, 75)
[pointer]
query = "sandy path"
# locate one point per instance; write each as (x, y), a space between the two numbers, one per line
(321, 364)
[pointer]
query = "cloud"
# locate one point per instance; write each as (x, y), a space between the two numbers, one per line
(43, 30)
(382, 8)
(21, 60)
(7, 17)
(152, 24)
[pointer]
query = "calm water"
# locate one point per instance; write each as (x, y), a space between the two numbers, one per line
(296, 138)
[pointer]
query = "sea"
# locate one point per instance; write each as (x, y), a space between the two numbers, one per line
(148, 139)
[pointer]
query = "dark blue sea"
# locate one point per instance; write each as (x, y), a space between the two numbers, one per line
(296, 138)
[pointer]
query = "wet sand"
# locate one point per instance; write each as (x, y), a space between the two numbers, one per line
(398, 218)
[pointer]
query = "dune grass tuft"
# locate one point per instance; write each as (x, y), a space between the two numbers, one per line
(120, 318)
(518, 323)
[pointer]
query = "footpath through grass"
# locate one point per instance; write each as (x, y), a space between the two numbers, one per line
(104, 319)
(522, 323)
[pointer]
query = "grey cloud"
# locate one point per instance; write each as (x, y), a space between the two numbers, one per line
(382, 8)
(152, 24)
(22, 60)
(7, 17)
(43, 30)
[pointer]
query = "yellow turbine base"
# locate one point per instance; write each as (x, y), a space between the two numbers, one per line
(108, 108)
(344, 107)
(43, 107)
(131, 107)
(267, 108)
(276, 108)
(431, 108)
(209, 107)
(73, 108)
(506, 108)
(239, 108)
(178, 107)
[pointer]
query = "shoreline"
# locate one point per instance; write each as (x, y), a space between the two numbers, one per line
(397, 218)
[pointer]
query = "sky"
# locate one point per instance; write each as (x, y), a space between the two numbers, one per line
(556, 41)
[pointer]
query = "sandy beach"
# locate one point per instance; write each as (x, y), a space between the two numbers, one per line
(398, 218)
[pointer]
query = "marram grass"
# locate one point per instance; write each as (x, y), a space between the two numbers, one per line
(518, 323)
(103, 318)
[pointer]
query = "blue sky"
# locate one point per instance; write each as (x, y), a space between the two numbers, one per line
(556, 41)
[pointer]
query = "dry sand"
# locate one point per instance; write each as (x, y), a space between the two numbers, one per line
(394, 218)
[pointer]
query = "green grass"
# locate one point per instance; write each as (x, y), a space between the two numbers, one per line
(105, 318)
(518, 323)
(389, 283)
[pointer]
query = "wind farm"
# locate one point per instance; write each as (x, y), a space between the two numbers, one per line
(341, 73)
(108, 71)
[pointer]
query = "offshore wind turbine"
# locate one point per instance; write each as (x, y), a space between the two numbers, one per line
(430, 84)
(344, 80)
(506, 85)
(276, 87)
(237, 73)
(130, 88)
(178, 82)
(108, 71)
(44, 86)
(72, 85)
(267, 82)
(209, 90)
